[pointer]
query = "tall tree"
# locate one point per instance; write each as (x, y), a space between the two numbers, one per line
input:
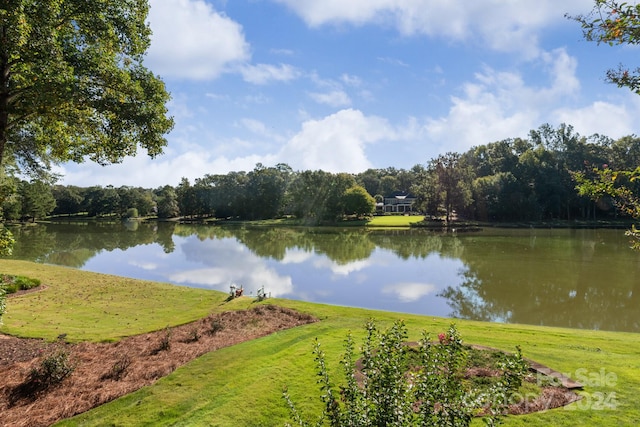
(452, 180)
(68, 199)
(615, 23)
(186, 198)
(73, 84)
(101, 201)
(357, 201)
(265, 191)
(622, 186)
(37, 199)
(167, 202)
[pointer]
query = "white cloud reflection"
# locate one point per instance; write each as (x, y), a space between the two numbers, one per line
(341, 269)
(409, 292)
(296, 256)
(220, 278)
(149, 266)
(223, 262)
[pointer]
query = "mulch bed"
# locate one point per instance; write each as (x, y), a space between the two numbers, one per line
(99, 376)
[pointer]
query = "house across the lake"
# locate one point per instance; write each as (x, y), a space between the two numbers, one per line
(397, 202)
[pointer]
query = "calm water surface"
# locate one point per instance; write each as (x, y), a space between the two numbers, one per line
(586, 279)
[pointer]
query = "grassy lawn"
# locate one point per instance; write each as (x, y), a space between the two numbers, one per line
(376, 221)
(394, 220)
(242, 385)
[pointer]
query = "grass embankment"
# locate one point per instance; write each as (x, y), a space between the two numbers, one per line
(242, 385)
(394, 220)
(376, 221)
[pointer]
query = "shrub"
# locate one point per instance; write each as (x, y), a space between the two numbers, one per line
(393, 389)
(165, 341)
(119, 368)
(12, 284)
(52, 369)
(7, 241)
(194, 334)
(215, 326)
(26, 283)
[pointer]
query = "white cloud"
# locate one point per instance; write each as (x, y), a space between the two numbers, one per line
(265, 73)
(335, 98)
(409, 292)
(350, 80)
(151, 173)
(618, 119)
(562, 67)
(336, 143)
(499, 104)
(259, 128)
(191, 40)
(504, 25)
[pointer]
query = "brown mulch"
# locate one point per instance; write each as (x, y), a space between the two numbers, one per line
(551, 397)
(106, 371)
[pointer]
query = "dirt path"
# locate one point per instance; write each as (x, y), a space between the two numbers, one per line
(104, 372)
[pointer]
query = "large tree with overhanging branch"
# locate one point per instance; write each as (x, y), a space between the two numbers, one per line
(615, 23)
(73, 85)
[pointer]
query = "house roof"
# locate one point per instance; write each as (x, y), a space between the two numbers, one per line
(401, 195)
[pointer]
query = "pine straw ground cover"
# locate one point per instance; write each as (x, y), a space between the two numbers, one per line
(105, 371)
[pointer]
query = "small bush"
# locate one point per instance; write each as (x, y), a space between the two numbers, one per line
(12, 284)
(165, 341)
(194, 334)
(390, 387)
(119, 368)
(53, 369)
(215, 326)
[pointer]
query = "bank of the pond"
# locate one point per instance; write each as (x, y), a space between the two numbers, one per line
(376, 221)
(242, 385)
(418, 221)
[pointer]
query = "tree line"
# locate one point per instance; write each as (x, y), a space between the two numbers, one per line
(532, 179)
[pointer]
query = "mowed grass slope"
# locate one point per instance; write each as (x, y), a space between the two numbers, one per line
(394, 220)
(97, 307)
(242, 385)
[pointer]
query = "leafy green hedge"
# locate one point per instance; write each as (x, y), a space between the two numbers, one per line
(12, 284)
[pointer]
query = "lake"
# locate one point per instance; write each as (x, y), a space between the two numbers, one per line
(586, 279)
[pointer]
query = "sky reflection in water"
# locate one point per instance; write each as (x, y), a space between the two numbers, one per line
(379, 282)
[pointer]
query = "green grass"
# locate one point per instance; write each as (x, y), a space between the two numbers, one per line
(376, 221)
(242, 385)
(94, 307)
(394, 220)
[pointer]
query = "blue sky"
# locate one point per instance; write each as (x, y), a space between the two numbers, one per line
(346, 85)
